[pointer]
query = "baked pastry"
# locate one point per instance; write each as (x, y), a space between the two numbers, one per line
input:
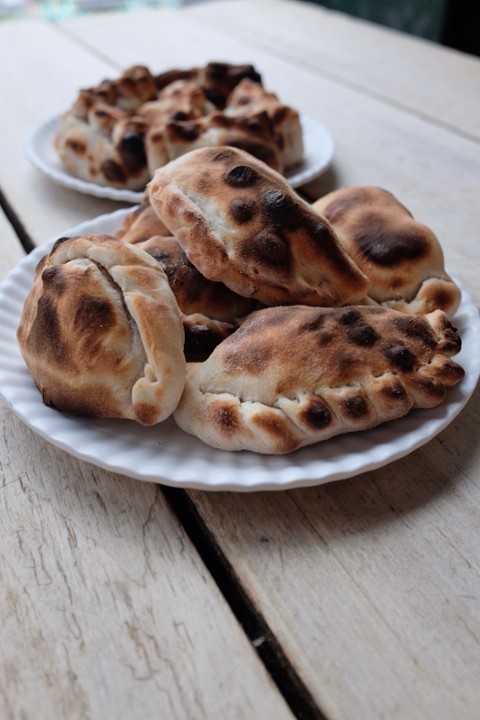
(250, 98)
(293, 376)
(120, 131)
(101, 332)
(107, 147)
(240, 223)
(210, 311)
(254, 134)
(402, 258)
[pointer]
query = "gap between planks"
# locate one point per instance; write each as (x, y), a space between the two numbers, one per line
(289, 684)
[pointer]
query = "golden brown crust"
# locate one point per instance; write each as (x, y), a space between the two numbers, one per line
(240, 223)
(101, 332)
(360, 366)
(401, 257)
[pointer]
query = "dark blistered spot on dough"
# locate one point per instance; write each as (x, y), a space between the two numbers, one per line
(400, 357)
(146, 414)
(315, 324)
(276, 427)
(355, 407)
(76, 146)
(242, 210)
(416, 329)
(93, 314)
(187, 131)
(54, 279)
(241, 176)
(268, 250)
(433, 391)
(358, 331)
(223, 415)
(113, 171)
(362, 334)
(132, 151)
(45, 336)
(394, 391)
(317, 415)
(349, 317)
(387, 247)
(281, 209)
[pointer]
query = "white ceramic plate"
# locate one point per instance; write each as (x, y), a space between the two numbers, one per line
(318, 145)
(167, 455)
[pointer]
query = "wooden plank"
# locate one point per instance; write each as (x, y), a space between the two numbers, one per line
(47, 69)
(106, 609)
(399, 68)
(371, 584)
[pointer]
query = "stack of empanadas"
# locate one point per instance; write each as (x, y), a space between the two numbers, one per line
(119, 132)
(260, 321)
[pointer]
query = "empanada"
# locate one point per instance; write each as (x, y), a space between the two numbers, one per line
(240, 223)
(292, 376)
(101, 332)
(250, 98)
(210, 311)
(402, 258)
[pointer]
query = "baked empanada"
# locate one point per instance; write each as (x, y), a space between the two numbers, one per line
(250, 98)
(402, 258)
(210, 310)
(292, 376)
(101, 332)
(240, 223)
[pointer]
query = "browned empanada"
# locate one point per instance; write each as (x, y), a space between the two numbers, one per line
(402, 258)
(101, 332)
(240, 223)
(210, 310)
(250, 98)
(292, 376)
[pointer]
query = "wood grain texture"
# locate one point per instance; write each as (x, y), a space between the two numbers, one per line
(370, 585)
(376, 579)
(106, 610)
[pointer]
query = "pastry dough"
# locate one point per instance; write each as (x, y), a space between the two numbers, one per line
(101, 332)
(210, 311)
(119, 132)
(240, 223)
(292, 376)
(402, 258)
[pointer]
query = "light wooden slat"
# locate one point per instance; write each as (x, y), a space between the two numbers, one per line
(42, 70)
(380, 61)
(371, 584)
(106, 610)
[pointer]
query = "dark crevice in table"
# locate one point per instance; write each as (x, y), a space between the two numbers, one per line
(16, 223)
(283, 674)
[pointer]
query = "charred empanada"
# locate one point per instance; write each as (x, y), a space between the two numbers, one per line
(240, 223)
(292, 376)
(402, 258)
(101, 332)
(210, 310)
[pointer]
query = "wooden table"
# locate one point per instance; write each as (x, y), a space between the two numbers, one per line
(356, 599)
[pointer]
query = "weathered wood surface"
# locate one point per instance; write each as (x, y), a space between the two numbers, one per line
(370, 585)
